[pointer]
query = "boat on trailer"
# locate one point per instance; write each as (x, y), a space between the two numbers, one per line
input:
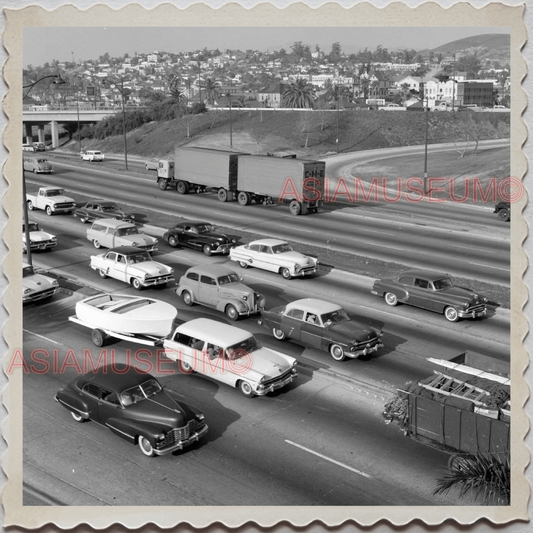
(127, 315)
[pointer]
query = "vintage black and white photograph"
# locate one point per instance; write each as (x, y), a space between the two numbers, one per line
(269, 266)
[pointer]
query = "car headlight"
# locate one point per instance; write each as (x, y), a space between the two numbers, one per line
(161, 437)
(55, 283)
(171, 271)
(26, 291)
(134, 243)
(297, 268)
(245, 297)
(54, 239)
(200, 416)
(263, 378)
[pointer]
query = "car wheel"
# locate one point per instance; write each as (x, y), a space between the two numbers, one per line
(278, 333)
(186, 296)
(30, 206)
(285, 273)
(77, 417)
(222, 195)
(173, 241)
(184, 366)
(48, 210)
(231, 312)
(102, 273)
(337, 352)
(35, 171)
(246, 389)
(98, 337)
(145, 446)
(206, 248)
(451, 314)
(504, 214)
(97, 244)
(162, 184)
(182, 187)
(391, 299)
(243, 264)
(295, 208)
(136, 284)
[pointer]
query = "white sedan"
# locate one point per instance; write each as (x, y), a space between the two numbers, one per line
(276, 256)
(230, 355)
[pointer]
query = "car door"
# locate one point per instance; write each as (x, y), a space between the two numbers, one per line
(253, 255)
(108, 405)
(91, 394)
(291, 323)
(268, 259)
(191, 238)
(421, 293)
(120, 268)
(208, 290)
(312, 332)
(216, 365)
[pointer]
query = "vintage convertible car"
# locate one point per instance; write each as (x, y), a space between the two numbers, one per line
(39, 239)
(230, 355)
(432, 291)
(322, 325)
(131, 265)
(36, 286)
(219, 287)
(133, 405)
(276, 256)
(198, 236)
(96, 209)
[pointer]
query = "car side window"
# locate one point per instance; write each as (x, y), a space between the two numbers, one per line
(193, 275)
(255, 247)
(121, 259)
(422, 283)
(298, 314)
(266, 249)
(407, 280)
(112, 256)
(93, 390)
(98, 227)
(312, 318)
(214, 351)
(206, 280)
(110, 396)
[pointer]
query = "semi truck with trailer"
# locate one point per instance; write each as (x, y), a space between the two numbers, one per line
(246, 178)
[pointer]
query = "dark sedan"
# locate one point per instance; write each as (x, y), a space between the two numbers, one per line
(322, 325)
(199, 236)
(94, 210)
(133, 405)
(432, 291)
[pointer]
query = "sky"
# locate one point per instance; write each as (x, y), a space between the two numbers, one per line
(42, 44)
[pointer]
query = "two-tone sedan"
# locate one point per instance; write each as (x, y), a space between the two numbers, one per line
(134, 406)
(96, 209)
(39, 239)
(200, 236)
(36, 286)
(132, 265)
(323, 325)
(432, 291)
(276, 256)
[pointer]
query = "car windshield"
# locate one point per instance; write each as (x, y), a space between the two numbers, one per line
(122, 232)
(281, 248)
(108, 208)
(140, 392)
(335, 317)
(204, 228)
(229, 278)
(139, 258)
(27, 271)
(32, 227)
(243, 348)
(442, 284)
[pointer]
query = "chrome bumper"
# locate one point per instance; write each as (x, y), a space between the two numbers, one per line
(183, 443)
(472, 314)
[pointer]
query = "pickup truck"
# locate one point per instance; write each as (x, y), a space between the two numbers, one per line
(52, 200)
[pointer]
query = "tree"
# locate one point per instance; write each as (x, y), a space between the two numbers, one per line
(212, 90)
(336, 53)
(469, 64)
(364, 85)
(299, 94)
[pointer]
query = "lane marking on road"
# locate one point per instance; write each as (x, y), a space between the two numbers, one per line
(42, 337)
(489, 266)
(328, 459)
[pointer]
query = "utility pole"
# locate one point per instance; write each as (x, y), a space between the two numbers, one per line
(426, 148)
(453, 85)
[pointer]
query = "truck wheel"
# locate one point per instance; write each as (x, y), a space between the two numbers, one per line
(391, 299)
(278, 333)
(98, 337)
(48, 210)
(162, 184)
(145, 446)
(451, 314)
(173, 241)
(77, 417)
(102, 273)
(285, 273)
(30, 205)
(186, 296)
(222, 195)
(246, 389)
(182, 187)
(337, 352)
(244, 198)
(206, 248)
(504, 214)
(295, 208)
(97, 244)
(231, 312)
(136, 284)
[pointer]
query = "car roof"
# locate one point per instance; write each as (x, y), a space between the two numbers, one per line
(313, 305)
(430, 275)
(269, 242)
(101, 202)
(114, 223)
(215, 332)
(126, 250)
(212, 270)
(191, 223)
(116, 376)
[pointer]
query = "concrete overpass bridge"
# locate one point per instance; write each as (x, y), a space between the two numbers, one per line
(42, 116)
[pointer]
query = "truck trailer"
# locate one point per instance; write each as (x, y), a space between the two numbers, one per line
(246, 178)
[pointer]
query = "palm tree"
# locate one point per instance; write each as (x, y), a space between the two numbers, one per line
(485, 475)
(299, 94)
(211, 88)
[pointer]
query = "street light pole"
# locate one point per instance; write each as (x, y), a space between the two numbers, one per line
(120, 89)
(453, 85)
(426, 148)
(78, 113)
(337, 100)
(230, 119)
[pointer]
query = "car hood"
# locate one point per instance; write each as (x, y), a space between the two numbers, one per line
(458, 294)
(353, 331)
(136, 240)
(150, 268)
(36, 282)
(38, 236)
(160, 409)
(295, 257)
(60, 199)
(216, 236)
(265, 362)
(235, 290)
